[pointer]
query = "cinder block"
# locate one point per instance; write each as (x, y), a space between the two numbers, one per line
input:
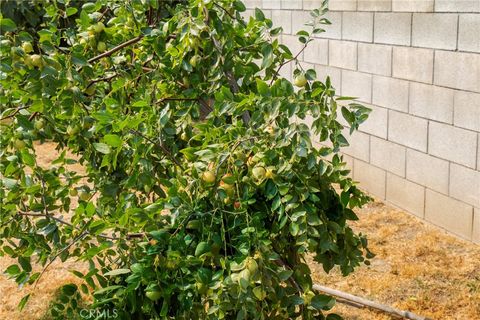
(408, 130)
(465, 184)
(252, 4)
(405, 194)
(457, 70)
(431, 102)
(413, 5)
(427, 171)
(435, 30)
(387, 155)
(371, 178)
(359, 145)
(299, 19)
(377, 122)
(334, 30)
(467, 110)
(291, 4)
(375, 58)
(293, 44)
(413, 64)
(282, 18)
(374, 5)
(335, 75)
(357, 26)
(357, 84)
(342, 5)
(312, 4)
(450, 214)
(451, 143)
(476, 225)
(343, 54)
(271, 4)
(317, 52)
(468, 32)
(390, 93)
(392, 28)
(457, 5)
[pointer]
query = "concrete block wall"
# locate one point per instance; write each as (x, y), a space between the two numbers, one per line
(416, 63)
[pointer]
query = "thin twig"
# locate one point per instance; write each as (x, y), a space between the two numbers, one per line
(288, 61)
(14, 113)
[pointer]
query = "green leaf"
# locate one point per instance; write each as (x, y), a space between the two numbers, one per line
(202, 247)
(71, 11)
(102, 148)
(112, 140)
(23, 302)
(7, 25)
(117, 272)
(322, 302)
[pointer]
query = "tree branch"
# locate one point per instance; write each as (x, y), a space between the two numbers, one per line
(14, 113)
(161, 146)
(115, 49)
(286, 62)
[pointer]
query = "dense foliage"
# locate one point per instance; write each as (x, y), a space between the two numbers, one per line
(202, 192)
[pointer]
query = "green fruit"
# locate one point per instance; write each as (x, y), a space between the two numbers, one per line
(37, 60)
(184, 136)
(19, 144)
(300, 80)
(99, 27)
(208, 176)
(73, 192)
(101, 46)
(27, 47)
(85, 196)
(90, 90)
(28, 61)
(259, 173)
(39, 124)
(153, 295)
(194, 60)
(72, 130)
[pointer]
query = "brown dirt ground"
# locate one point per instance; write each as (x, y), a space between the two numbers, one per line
(418, 267)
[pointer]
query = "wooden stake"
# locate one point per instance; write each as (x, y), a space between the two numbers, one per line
(358, 302)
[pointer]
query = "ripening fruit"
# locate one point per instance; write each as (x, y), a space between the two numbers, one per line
(85, 196)
(208, 176)
(37, 60)
(83, 41)
(19, 144)
(73, 192)
(300, 80)
(39, 124)
(101, 46)
(194, 60)
(153, 295)
(27, 47)
(237, 205)
(259, 173)
(99, 27)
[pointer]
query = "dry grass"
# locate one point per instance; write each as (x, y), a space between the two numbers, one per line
(417, 268)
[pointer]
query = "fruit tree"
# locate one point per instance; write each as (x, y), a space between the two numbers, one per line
(202, 191)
